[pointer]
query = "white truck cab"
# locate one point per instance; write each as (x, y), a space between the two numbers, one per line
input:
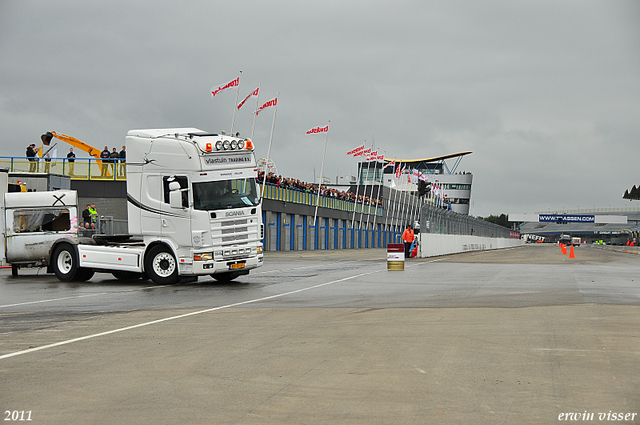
(193, 209)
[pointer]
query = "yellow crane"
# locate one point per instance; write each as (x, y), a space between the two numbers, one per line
(46, 140)
(95, 152)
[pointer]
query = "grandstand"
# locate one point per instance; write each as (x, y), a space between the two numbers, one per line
(442, 170)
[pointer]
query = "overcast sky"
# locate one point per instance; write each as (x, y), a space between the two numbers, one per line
(546, 94)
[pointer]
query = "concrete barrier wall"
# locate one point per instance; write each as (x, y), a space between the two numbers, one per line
(432, 245)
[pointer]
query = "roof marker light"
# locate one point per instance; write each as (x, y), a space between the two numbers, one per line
(209, 147)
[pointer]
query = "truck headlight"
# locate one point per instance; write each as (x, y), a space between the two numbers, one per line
(205, 256)
(259, 250)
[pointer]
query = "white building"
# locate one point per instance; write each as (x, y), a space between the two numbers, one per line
(441, 171)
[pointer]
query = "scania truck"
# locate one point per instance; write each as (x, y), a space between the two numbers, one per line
(193, 209)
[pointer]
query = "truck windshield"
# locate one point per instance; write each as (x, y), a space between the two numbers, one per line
(224, 194)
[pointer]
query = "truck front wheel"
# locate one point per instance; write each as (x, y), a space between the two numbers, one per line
(161, 265)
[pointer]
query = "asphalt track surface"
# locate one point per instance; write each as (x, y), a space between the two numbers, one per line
(524, 335)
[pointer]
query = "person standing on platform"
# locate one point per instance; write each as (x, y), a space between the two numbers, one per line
(104, 156)
(31, 156)
(71, 158)
(114, 157)
(123, 160)
(408, 237)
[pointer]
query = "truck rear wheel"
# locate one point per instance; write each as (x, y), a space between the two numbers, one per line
(65, 262)
(161, 265)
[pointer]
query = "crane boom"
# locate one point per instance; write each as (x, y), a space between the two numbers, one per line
(46, 139)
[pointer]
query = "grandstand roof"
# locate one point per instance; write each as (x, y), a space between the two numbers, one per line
(434, 159)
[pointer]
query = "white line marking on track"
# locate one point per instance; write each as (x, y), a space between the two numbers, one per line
(166, 319)
(82, 296)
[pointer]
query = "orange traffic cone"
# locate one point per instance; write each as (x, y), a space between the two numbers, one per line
(564, 249)
(571, 255)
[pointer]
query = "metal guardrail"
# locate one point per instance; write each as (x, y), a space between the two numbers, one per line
(80, 169)
(296, 196)
(438, 220)
(106, 226)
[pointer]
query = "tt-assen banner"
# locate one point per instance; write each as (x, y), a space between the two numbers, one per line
(543, 218)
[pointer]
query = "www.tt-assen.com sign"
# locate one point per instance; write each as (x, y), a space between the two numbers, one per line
(567, 218)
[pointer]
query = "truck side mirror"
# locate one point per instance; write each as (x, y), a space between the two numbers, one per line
(175, 195)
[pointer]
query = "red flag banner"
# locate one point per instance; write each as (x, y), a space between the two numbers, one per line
(273, 102)
(317, 130)
(356, 150)
(253, 93)
(390, 164)
(223, 87)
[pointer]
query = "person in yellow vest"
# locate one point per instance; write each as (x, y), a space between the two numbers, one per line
(408, 237)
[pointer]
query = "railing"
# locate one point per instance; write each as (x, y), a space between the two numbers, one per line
(106, 226)
(80, 169)
(438, 220)
(296, 196)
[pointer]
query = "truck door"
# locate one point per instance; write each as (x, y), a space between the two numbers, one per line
(175, 223)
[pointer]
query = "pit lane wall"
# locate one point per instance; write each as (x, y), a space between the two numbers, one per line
(433, 245)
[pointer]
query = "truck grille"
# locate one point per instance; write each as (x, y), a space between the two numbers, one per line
(234, 231)
(233, 223)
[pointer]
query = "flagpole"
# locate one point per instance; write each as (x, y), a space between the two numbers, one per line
(364, 192)
(365, 188)
(403, 200)
(253, 126)
(387, 210)
(235, 104)
(413, 204)
(378, 194)
(353, 219)
(394, 206)
(321, 174)
(273, 124)
(411, 199)
(397, 202)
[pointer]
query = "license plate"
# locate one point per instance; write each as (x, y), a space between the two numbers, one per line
(236, 266)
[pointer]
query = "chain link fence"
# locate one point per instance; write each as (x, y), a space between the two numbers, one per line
(438, 220)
